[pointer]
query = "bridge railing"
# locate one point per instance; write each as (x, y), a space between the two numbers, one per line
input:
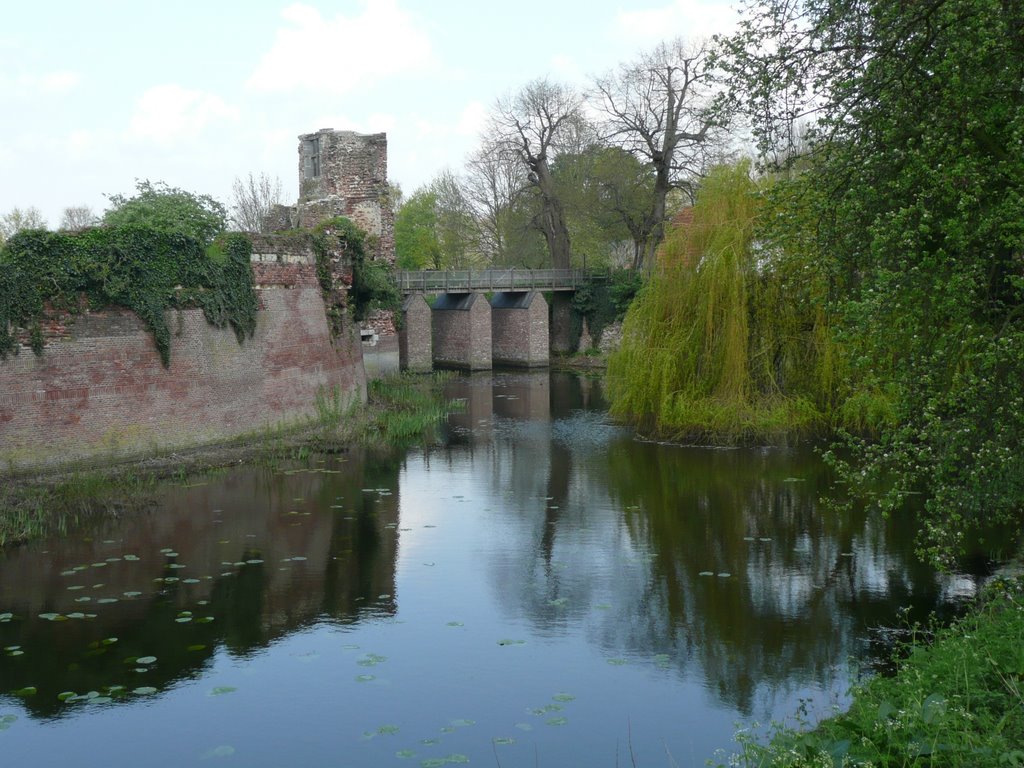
(468, 280)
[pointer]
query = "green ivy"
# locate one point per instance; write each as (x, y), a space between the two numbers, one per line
(135, 267)
(603, 303)
(373, 286)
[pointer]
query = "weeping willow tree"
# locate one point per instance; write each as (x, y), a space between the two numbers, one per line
(729, 340)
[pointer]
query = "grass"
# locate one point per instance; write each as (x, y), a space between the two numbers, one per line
(36, 510)
(400, 410)
(955, 701)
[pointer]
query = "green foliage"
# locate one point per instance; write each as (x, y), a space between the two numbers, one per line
(604, 303)
(146, 271)
(916, 192)
(168, 209)
(726, 342)
(416, 243)
(373, 286)
(954, 702)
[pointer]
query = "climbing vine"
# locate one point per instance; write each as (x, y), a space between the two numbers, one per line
(136, 267)
(372, 285)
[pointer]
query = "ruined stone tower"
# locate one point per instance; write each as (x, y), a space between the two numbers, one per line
(343, 173)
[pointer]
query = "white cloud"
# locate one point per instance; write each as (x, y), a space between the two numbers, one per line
(690, 19)
(28, 83)
(59, 82)
(472, 120)
(338, 54)
(376, 122)
(169, 113)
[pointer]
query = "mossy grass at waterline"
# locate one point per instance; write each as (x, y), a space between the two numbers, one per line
(400, 410)
(957, 700)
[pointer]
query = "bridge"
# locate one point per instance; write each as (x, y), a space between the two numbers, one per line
(462, 328)
(489, 280)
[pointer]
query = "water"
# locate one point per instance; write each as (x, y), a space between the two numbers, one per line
(542, 589)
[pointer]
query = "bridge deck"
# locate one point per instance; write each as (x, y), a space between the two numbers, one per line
(470, 280)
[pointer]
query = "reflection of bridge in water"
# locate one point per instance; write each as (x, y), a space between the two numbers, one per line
(463, 329)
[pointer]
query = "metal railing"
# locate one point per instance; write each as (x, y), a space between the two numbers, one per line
(470, 280)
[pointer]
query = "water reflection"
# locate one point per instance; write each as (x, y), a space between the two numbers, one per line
(659, 585)
(234, 562)
(722, 560)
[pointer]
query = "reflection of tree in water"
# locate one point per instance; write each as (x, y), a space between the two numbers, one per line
(636, 524)
(793, 607)
(348, 560)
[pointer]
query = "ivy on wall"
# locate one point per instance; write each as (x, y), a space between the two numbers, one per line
(373, 286)
(136, 267)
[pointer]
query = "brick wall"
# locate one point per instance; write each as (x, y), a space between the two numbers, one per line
(462, 331)
(343, 173)
(101, 393)
(414, 338)
(519, 329)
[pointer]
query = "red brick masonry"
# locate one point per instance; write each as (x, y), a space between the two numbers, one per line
(100, 391)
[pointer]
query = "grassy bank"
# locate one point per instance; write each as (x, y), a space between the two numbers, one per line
(400, 410)
(955, 701)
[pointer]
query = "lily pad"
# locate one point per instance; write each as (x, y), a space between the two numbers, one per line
(706, 573)
(461, 723)
(144, 690)
(388, 730)
(365, 678)
(29, 690)
(617, 662)
(456, 624)
(504, 740)
(511, 642)
(146, 660)
(564, 697)
(220, 690)
(6, 721)
(196, 647)
(556, 721)
(405, 753)
(225, 750)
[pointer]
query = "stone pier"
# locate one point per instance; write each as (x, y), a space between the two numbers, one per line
(462, 331)
(519, 329)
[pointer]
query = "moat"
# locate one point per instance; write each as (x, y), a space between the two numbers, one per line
(541, 588)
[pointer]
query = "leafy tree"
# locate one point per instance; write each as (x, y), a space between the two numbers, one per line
(915, 201)
(168, 209)
(416, 242)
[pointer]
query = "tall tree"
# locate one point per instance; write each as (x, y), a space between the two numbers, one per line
(494, 183)
(18, 219)
(535, 124)
(416, 242)
(660, 108)
(915, 201)
(252, 199)
(77, 218)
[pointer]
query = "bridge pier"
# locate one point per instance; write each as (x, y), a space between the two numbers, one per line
(519, 328)
(561, 323)
(461, 331)
(415, 343)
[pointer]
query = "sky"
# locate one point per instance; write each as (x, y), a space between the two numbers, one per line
(95, 94)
